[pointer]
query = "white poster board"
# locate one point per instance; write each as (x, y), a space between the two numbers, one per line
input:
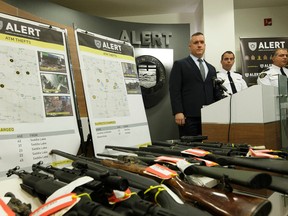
(112, 92)
(37, 111)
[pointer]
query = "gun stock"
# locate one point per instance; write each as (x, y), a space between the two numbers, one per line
(214, 201)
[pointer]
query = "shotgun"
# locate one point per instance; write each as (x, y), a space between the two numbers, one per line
(214, 201)
(278, 183)
(250, 179)
(268, 164)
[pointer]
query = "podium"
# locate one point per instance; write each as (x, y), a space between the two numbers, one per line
(250, 116)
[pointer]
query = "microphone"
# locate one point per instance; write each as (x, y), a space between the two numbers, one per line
(217, 82)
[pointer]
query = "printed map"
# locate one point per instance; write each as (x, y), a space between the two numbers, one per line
(106, 87)
(20, 88)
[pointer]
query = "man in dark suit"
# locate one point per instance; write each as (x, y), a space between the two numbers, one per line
(191, 87)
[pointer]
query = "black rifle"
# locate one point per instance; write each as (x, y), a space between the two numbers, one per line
(215, 201)
(176, 150)
(42, 186)
(102, 185)
(68, 175)
(134, 205)
(145, 184)
(212, 145)
(268, 164)
(241, 177)
(193, 138)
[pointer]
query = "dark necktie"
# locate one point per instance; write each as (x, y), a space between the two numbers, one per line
(231, 83)
(282, 71)
(202, 70)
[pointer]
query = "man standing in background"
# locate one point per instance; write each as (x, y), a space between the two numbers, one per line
(233, 81)
(191, 87)
(270, 75)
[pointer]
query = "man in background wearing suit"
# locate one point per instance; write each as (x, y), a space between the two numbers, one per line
(191, 87)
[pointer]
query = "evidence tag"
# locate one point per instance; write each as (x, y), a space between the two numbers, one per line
(5, 210)
(171, 160)
(160, 171)
(57, 204)
(118, 196)
(196, 152)
(207, 162)
(260, 154)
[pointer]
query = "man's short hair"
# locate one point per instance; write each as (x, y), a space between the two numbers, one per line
(228, 52)
(278, 49)
(197, 34)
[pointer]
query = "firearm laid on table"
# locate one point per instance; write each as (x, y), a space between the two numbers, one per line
(42, 186)
(149, 189)
(134, 205)
(217, 202)
(214, 147)
(249, 179)
(268, 164)
(276, 166)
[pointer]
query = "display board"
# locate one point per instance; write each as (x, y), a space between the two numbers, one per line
(37, 111)
(113, 95)
(257, 55)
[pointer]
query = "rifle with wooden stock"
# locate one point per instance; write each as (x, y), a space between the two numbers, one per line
(214, 201)
(268, 164)
(272, 166)
(251, 179)
(149, 188)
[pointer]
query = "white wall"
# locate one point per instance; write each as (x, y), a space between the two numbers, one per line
(245, 23)
(218, 29)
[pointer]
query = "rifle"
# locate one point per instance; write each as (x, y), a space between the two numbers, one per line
(42, 186)
(278, 183)
(213, 145)
(193, 138)
(67, 175)
(134, 205)
(268, 164)
(175, 151)
(214, 201)
(149, 187)
(241, 177)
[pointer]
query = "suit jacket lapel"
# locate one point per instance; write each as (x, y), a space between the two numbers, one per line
(194, 67)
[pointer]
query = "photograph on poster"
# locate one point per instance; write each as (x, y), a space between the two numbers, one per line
(51, 62)
(133, 86)
(57, 106)
(129, 70)
(54, 83)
